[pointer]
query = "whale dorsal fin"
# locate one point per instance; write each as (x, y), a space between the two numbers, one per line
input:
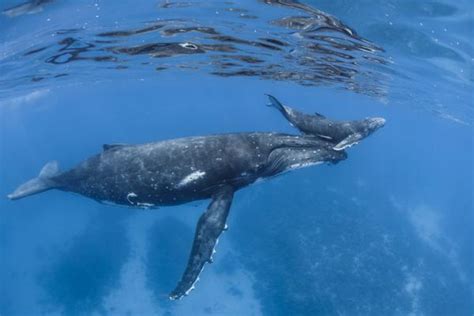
(319, 115)
(112, 146)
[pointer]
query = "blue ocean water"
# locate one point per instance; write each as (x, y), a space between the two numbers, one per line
(386, 232)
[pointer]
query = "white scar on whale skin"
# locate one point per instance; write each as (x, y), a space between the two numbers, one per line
(191, 177)
(131, 195)
(139, 204)
(145, 205)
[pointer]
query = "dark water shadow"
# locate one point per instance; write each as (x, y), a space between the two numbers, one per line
(326, 254)
(169, 244)
(79, 279)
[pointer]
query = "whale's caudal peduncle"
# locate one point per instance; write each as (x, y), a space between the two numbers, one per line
(208, 167)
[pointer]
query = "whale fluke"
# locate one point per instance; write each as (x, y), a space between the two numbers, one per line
(274, 102)
(209, 227)
(39, 184)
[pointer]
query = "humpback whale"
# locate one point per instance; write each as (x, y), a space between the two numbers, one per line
(182, 170)
(342, 134)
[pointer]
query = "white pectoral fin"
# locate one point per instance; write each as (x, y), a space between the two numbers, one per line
(349, 141)
(209, 227)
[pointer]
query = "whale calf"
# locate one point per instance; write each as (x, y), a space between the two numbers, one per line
(342, 134)
(187, 169)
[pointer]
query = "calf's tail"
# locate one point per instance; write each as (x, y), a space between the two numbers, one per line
(276, 104)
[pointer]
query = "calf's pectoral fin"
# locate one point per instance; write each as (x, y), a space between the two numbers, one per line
(325, 137)
(349, 141)
(209, 227)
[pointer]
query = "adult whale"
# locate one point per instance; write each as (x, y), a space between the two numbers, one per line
(182, 170)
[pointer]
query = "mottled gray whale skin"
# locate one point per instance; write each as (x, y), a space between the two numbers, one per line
(342, 134)
(182, 170)
(187, 169)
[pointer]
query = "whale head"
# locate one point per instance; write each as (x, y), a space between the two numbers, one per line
(371, 124)
(360, 130)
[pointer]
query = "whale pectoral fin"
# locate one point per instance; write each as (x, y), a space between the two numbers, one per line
(325, 137)
(209, 227)
(348, 141)
(112, 146)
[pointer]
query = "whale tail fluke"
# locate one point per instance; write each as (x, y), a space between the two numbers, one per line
(275, 103)
(39, 184)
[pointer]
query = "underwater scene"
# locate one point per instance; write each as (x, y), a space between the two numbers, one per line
(254, 157)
